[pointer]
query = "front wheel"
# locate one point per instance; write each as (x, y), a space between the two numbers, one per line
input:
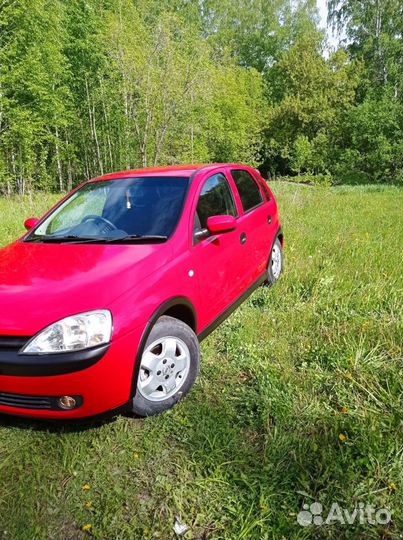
(276, 261)
(168, 367)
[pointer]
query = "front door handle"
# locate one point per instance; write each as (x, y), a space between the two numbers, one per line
(243, 238)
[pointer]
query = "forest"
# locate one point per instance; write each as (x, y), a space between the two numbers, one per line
(92, 86)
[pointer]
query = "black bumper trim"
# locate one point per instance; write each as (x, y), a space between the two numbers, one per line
(42, 365)
(46, 403)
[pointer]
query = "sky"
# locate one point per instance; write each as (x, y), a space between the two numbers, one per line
(322, 9)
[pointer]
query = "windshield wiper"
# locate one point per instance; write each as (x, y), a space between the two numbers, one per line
(58, 239)
(75, 239)
(137, 238)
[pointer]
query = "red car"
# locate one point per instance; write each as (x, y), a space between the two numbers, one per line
(105, 299)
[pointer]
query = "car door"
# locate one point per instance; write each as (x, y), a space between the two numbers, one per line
(214, 256)
(255, 221)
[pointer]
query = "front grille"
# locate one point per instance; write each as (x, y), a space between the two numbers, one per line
(22, 401)
(12, 343)
(27, 402)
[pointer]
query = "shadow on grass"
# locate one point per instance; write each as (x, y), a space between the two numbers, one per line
(62, 425)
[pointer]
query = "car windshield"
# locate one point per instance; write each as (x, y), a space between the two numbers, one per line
(125, 210)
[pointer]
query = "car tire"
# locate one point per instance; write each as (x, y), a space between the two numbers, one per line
(169, 365)
(276, 262)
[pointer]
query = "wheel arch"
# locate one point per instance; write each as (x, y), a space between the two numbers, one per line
(184, 312)
(280, 236)
(180, 308)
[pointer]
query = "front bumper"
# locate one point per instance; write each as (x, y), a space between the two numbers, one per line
(41, 365)
(102, 380)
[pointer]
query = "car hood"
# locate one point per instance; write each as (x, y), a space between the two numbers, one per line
(42, 283)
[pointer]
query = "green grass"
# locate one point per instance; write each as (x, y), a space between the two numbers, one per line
(259, 435)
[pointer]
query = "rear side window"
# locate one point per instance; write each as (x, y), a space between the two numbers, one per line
(265, 188)
(248, 190)
(215, 199)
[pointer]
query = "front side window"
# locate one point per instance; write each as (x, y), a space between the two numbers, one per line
(117, 210)
(248, 190)
(216, 199)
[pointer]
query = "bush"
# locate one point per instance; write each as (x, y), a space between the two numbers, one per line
(310, 179)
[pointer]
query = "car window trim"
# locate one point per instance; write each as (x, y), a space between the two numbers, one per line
(231, 191)
(262, 202)
(196, 242)
(263, 186)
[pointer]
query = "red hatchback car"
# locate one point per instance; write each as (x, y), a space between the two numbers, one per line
(105, 300)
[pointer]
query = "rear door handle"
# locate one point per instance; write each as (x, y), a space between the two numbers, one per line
(243, 238)
(269, 220)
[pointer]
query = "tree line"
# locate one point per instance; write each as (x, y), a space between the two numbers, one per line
(92, 86)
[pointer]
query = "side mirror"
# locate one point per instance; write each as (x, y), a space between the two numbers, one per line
(221, 224)
(30, 223)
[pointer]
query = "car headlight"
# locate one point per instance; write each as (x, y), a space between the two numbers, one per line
(73, 333)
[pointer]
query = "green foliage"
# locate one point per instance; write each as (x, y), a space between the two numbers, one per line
(34, 98)
(94, 86)
(374, 32)
(372, 143)
(316, 94)
(90, 86)
(173, 99)
(310, 179)
(301, 154)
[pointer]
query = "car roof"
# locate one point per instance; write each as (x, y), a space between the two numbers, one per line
(172, 170)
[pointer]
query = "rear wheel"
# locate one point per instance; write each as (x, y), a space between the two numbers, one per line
(168, 367)
(275, 263)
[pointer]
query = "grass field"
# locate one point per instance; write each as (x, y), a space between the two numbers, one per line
(299, 400)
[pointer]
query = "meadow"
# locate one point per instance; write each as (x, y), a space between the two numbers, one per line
(298, 401)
